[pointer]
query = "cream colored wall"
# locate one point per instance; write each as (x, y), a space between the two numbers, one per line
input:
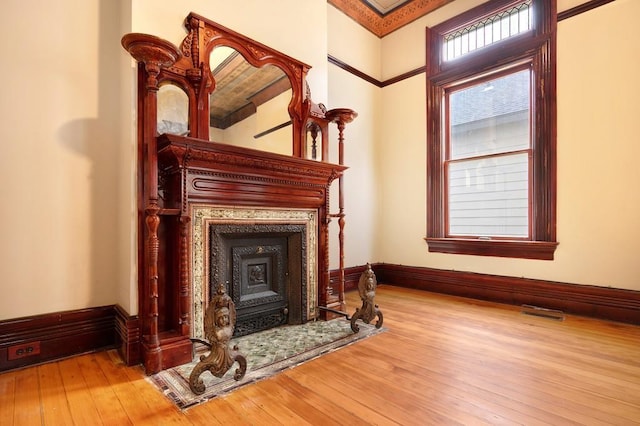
(65, 165)
(598, 146)
(352, 43)
(267, 116)
(362, 199)
(360, 181)
(598, 206)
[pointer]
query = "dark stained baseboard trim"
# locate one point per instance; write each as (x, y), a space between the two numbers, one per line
(64, 334)
(128, 336)
(586, 300)
(351, 278)
(41, 338)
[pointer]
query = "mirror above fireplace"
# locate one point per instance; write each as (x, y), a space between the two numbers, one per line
(240, 91)
(249, 105)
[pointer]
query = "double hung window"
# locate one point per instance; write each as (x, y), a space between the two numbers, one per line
(491, 131)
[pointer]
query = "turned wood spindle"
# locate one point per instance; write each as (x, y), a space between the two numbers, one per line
(341, 116)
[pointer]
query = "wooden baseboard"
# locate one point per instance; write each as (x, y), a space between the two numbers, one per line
(37, 339)
(127, 329)
(586, 300)
(351, 278)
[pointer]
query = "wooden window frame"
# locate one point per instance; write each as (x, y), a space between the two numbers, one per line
(536, 46)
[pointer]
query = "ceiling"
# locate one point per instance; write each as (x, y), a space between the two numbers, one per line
(382, 17)
(384, 6)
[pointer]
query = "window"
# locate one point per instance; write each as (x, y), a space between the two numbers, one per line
(491, 130)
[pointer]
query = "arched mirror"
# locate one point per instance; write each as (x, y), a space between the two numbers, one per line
(173, 111)
(249, 105)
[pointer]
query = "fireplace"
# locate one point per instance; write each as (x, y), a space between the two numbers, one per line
(266, 258)
(203, 183)
(176, 175)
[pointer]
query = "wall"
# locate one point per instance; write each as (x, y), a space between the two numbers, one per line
(267, 117)
(362, 198)
(66, 161)
(598, 110)
(597, 143)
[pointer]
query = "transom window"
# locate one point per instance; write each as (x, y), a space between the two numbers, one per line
(499, 26)
(491, 131)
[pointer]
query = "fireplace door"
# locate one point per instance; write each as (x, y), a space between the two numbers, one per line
(262, 267)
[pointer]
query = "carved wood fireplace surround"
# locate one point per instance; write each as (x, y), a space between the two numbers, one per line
(179, 175)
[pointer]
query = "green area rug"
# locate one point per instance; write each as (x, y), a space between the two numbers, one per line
(267, 352)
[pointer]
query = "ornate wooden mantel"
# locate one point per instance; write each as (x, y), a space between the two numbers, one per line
(175, 172)
(219, 173)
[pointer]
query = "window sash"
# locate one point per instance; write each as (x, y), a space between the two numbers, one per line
(489, 115)
(489, 197)
(487, 165)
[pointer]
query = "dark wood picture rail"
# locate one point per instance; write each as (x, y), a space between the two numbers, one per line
(272, 129)
(582, 8)
(569, 13)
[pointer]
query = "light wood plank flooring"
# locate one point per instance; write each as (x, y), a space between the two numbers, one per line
(443, 360)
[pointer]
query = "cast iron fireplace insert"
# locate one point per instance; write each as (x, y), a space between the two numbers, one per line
(264, 269)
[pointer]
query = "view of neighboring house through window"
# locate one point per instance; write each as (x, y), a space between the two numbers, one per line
(488, 156)
(491, 131)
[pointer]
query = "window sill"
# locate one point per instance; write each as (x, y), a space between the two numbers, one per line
(540, 250)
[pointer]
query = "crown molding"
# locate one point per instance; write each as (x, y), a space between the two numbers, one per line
(382, 25)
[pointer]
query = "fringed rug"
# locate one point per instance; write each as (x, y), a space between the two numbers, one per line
(267, 352)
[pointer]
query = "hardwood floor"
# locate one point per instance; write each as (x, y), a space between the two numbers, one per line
(443, 360)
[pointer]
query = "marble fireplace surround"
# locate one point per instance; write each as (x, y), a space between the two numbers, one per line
(205, 215)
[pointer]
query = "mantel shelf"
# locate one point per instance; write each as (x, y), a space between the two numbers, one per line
(198, 154)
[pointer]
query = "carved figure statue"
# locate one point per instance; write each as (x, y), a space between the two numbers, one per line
(369, 310)
(219, 323)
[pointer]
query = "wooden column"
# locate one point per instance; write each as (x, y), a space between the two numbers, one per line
(341, 116)
(155, 53)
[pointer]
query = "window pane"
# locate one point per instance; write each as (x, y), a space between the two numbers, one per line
(490, 117)
(489, 196)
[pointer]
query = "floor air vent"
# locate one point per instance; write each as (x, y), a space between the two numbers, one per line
(543, 312)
